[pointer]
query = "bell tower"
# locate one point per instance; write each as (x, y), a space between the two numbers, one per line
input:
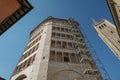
(56, 51)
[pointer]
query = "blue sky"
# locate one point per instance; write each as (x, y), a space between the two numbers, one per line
(14, 40)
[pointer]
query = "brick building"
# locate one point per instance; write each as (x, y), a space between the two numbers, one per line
(2, 78)
(11, 11)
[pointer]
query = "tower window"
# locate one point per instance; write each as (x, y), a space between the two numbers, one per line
(104, 24)
(66, 59)
(59, 56)
(73, 58)
(52, 55)
(100, 27)
(64, 44)
(43, 57)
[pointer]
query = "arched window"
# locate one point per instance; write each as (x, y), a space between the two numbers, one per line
(104, 25)
(100, 27)
(21, 77)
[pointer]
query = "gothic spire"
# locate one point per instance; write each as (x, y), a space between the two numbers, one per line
(95, 22)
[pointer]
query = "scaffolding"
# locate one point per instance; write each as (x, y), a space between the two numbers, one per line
(87, 54)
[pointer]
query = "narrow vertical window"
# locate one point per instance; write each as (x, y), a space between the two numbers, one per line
(100, 27)
(52, 55)
(104, 25)
(66, 59)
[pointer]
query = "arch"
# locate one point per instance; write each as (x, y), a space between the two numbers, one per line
(67, 75)
(21, 77)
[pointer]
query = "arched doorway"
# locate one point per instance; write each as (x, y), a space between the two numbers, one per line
(21, 77)
(67, 75)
